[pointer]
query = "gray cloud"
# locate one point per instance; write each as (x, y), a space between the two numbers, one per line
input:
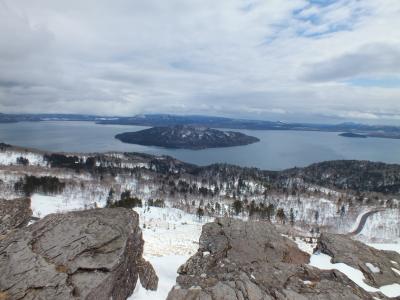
(202, 56)
(373, 59)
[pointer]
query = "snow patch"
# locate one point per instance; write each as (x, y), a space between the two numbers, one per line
(304, 246)
(43, 205)
(372, 268)
(396, 271)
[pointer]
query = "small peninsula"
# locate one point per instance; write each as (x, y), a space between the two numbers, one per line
(186, 137)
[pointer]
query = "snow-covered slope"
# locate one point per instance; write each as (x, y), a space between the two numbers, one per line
(171, 237)
(43, 205)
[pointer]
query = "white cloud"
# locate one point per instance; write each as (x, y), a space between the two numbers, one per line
(218, 57)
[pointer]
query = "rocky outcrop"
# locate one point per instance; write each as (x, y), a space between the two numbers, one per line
(94, 254)
(14, 214)
(251, 260)
(376, 265)
(147, 275)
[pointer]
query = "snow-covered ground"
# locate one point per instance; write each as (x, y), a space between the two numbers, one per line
(303, 245)
(8, 158)
(169, 231)
(42, 205)
(171, 236)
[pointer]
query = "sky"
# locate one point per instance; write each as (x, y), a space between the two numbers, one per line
(302, 60)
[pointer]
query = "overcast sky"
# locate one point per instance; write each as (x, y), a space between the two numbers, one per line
(267, 59)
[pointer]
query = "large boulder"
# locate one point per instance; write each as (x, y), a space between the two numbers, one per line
(251, 260)
(376, 265)
(14, 214)
(94, 254)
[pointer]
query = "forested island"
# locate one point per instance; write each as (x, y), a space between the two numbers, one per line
(186, 137)
(352, 135)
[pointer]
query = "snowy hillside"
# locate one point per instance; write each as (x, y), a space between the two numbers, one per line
(8, 158)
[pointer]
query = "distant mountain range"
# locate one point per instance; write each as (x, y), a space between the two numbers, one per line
(381, 131)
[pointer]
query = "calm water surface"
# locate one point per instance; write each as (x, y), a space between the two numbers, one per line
(276, 150)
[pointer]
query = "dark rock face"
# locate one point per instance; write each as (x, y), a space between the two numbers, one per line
(186, 137)
(14, 214)
(250, 260)
(376, 265)
(94, 254)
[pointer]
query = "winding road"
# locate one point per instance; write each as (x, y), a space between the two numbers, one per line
(363, 220)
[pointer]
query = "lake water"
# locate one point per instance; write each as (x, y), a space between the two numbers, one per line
(276, 150)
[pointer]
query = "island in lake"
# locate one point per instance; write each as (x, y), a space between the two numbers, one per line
(186, 137)
(353, 135)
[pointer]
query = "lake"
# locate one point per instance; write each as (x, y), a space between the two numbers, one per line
(276, 150)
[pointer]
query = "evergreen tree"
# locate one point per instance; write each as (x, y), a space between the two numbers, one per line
(252, 208)
(110, 197)
(200, 213)
(218, 207)
(270, 211)
(316, 216)
(280, 214)
(237, 207)
(342, 211)
(291, 217)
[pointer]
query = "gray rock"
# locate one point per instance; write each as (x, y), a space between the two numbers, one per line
(94, 254)
(376, 265)
(14, 214)
(252, 261)
(147, 275)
